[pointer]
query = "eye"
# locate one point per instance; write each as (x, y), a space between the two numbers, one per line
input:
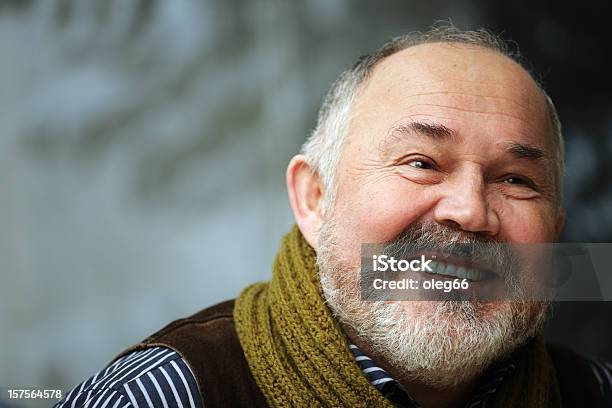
(420, 164)
(515, 180)
(419, 168)
(520, 182)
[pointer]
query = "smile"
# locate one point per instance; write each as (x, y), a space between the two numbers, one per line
(454, 271)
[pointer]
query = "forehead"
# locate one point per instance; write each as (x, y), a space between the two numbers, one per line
(463, 86)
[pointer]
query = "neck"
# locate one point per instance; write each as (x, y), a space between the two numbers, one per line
(425, 394)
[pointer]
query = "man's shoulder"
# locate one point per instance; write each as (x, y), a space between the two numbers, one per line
(157, 371)
(580, 374)
(151, 377)
(213, 325)
(602, 370)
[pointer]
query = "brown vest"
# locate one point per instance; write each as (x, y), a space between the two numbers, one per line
(208, 343)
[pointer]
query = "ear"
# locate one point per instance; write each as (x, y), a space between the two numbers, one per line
(560, 223)
(305, 197)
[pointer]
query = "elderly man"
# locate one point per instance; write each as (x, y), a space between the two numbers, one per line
(437, 137)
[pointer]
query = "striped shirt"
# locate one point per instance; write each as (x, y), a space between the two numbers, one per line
(398, 395)
(159, 377)
(153, 377)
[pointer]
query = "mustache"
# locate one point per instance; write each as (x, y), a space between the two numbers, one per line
(476, 249)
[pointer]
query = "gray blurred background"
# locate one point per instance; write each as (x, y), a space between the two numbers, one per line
(143, 146)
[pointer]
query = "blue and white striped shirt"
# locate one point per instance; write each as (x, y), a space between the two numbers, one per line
(153, 377)
(159, 377)
(398, 395)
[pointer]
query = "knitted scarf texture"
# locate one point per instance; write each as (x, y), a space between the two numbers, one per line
(299, 355)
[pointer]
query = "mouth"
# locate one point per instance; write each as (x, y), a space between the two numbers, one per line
(461, 272)
(457, 267)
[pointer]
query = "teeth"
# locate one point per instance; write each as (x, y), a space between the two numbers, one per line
(442, 268)
(475, 275)
(451, 270)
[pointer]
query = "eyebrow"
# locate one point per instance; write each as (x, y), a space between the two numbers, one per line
(524, 151)
(439, 132)
(434, 131)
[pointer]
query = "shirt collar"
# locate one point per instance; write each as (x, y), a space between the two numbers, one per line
(399, 396)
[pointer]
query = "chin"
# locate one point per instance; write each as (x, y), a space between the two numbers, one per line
(439, 343)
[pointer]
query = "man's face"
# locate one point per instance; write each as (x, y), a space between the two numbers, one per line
(439, 133)
(447, 135)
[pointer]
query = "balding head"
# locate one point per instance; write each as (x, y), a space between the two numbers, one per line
(324, 146)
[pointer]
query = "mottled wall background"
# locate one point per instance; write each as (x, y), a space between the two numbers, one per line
(143, 146)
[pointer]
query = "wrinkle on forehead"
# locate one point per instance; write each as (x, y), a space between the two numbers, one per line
(465, 81)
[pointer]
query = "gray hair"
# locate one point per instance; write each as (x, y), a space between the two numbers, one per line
(323, 147)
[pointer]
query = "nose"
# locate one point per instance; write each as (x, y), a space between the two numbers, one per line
(464, 204)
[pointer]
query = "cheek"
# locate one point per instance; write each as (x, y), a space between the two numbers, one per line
(378, 212)
(527, 222)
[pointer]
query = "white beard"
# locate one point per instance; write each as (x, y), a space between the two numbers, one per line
(440, 344)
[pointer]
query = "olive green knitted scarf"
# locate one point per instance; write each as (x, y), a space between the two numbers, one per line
(299, 356)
